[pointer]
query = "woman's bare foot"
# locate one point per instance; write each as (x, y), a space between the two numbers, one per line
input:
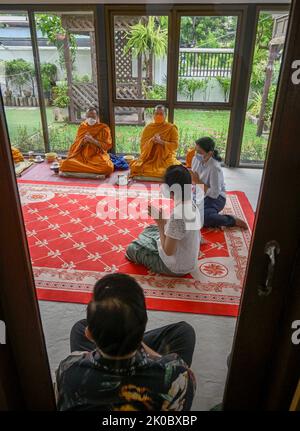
(240, 223)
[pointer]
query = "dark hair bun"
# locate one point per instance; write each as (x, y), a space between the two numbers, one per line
(216, 156)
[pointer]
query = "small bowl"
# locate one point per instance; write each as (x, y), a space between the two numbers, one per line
(129, 158)
(38, 160)
(55, 167)
(51, 157)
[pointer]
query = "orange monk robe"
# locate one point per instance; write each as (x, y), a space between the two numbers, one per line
(17, 155)
(89, 158)
(156, 158)
(189, 158)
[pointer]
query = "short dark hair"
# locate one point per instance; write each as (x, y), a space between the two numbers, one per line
(180, 175)
(117, 315)
(208, 144)
(92, 108)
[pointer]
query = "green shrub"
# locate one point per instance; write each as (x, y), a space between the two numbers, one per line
(49, 75)
(82, 79)
(256, 101)
(189, 86)
(60, 96)
(254, 150)
(156, 92)
(29, 141)
(19, 72)
(61, 138)
(225, 84)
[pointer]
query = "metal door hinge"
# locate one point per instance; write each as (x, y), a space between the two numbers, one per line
(272, 250)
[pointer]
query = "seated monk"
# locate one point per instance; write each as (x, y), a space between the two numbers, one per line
(189, 157)
(159, 143)
(17, 155)
(88, 153)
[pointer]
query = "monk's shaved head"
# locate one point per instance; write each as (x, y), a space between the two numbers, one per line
(92, 112)
(160, 108)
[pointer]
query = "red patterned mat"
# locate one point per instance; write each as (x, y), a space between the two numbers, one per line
(71, 248)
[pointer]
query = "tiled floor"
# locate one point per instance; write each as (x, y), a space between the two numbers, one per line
(214, 333)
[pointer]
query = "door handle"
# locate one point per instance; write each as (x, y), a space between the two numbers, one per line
(272, 250)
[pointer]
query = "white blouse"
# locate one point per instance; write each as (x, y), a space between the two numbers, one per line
(211, 174)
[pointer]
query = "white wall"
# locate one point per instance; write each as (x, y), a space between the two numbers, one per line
(49, 55)
(160, 70)
(83, 67)
(214, 91)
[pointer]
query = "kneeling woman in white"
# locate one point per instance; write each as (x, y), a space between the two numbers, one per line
(207, 170)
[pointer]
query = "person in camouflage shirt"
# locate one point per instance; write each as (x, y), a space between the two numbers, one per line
(116, 366)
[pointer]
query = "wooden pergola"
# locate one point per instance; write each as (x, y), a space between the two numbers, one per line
(84, 95)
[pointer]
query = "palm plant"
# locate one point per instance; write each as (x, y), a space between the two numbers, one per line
(146, 40)
(225, 84)
(188, 87)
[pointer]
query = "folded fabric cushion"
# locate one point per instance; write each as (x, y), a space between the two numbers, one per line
(119, 162)
(152, 179)
(22, 166)
(82, 175)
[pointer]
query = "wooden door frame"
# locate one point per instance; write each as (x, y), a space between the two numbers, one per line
(264, 367)
(25, 351)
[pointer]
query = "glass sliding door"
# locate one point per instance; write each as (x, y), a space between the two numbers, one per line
(270, 39)
(18, 83)
(207, 51)
(129, 123)
(206, 55)
(140, 57)
(206, 65)
(140, 71)
(195, 123)
(67, 52)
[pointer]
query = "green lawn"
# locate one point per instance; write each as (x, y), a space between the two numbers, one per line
(25, 132)
(193, 124)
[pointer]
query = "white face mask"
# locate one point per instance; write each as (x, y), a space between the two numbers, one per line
(91, 121)
(199, 157)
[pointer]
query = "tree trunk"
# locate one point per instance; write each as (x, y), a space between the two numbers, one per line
(68, 63)
(269, 72)
(139, 87)
(33, 87)
(93, 56)
(150, 69)
(194, 31)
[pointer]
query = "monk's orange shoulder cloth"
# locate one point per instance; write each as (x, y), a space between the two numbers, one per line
(156, 158)
(189, 157)
(167, 131)
(99, 131)
(89, 158)
(17, 155)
